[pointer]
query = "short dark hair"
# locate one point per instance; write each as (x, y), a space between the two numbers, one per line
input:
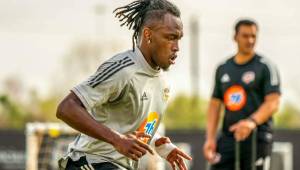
(137, 13)
(247, 22)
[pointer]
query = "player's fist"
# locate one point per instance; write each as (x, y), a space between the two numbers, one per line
(162, 140)
(209, 151)
(242, 129)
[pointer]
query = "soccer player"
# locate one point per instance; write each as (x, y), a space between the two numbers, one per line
(248, 85)
(118, 108)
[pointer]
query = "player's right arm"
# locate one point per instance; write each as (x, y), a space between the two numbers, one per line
(213, 115)
(72, 111)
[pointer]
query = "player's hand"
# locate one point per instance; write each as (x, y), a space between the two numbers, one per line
(175, 158)
(242, 129)
(131, 146)
(161, 141)
(209, 151)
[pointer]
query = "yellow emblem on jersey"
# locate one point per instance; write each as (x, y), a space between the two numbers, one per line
(149, 125)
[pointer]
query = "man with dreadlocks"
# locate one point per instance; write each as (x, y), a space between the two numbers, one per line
(118, 109)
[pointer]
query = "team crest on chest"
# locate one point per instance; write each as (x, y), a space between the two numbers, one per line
(235, 98)
(166, 94)
(248, 77)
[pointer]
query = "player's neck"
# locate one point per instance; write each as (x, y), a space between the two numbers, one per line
(147, 55)
(243, 58)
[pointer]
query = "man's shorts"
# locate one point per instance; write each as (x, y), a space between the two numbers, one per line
(82, 164)
(226, 149)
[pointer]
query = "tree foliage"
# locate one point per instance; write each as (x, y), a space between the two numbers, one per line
(12, 113)
(186, 112)
(189, 112)
(288, 117)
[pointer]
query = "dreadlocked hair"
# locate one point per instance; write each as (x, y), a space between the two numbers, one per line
(135, 14)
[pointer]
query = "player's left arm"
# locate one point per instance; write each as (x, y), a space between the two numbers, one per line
(267, 109)
(243, 128)
(167, 150)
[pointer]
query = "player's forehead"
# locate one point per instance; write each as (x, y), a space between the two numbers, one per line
(247, 29)
(170, 24)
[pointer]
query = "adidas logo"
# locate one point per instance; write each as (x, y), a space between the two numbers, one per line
(225, 78)
(144, 96)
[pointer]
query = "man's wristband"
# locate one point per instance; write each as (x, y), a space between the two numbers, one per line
(165, 149)
(253, 120)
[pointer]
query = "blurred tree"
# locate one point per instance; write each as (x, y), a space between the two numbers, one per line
(12, 114)
(288, 117)
(186, 112)
(189, 112)
(42, 109)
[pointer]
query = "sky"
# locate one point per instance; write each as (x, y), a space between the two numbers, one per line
(35, 35)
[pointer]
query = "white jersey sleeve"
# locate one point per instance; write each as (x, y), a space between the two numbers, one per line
(106, 84)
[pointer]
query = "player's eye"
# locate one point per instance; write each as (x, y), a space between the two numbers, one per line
(171, 37)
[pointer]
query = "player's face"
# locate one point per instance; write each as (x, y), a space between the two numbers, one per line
(246, 38)
(164, 41)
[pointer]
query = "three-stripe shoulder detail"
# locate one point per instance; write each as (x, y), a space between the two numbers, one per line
(108, 69)
(274, 76)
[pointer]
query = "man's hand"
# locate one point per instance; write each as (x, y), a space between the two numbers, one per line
(209, 151)
(131, 145)
(161, 141)
(242, 129)
(176, 156)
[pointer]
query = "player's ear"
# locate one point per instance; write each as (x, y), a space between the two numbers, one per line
(234, 37)
(147, 34)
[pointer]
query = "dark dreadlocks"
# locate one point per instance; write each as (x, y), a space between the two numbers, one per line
(135, 14)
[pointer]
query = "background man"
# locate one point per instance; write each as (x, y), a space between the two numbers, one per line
(249, 87)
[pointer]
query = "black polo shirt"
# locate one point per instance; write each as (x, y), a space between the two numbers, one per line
(242, 88)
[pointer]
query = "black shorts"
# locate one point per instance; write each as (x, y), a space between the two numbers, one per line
(82, 164)
(226, 148)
